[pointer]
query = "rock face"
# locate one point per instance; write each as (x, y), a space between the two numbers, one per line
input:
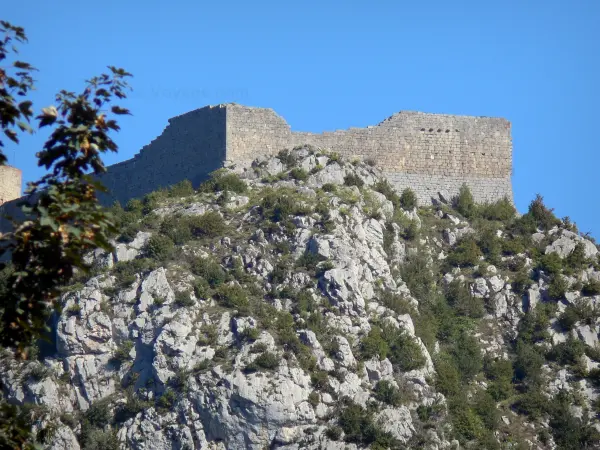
(315, 312)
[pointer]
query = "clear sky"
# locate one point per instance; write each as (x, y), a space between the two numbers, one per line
(326, 65)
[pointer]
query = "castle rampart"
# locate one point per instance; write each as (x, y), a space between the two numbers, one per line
(426, 152)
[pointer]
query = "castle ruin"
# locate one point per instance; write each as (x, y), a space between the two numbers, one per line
(425, 152)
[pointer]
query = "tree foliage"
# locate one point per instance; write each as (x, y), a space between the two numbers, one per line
(64, 219)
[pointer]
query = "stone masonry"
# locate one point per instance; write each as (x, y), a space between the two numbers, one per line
(10, 184)
(426, 152)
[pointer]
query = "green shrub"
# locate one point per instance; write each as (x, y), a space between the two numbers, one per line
(177, 229)
(568, 352)
(209, 224)
(386, 392)
(212, 272)
(485, 407)
(232, 297)
(167, 399)
(499, 372)
(385, 188)
(223, 180)
(97, 439)
(297, 173)
(334, 433)
(122, 352)
(447, 375)
(353, 180)
(557, 287)
(533, 404)
(320, 380)
(184, 299)
(466, 253)
(359, 427)
(467, 355)
(464, 202)
(543, 216)
(576, 260)
(592, 287)
(329, 187)
(512, 246)
(490, 244)
(501, 210)
(408, 199)
(287, 158)
(159, 247)
(461, 300)
(182, 189)
(396, 302)
(404, 351)
(373, 344)
(528, 363)
(266, 361)
(521, 282)
(550, 263)
(277, 204)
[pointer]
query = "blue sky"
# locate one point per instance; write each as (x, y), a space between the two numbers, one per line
(326, 65)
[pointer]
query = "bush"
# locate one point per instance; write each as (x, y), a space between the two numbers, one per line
(182, 189)
(101, 440)
(223, 180)
(278, 204)
(184, 299)
(385, 188)
(408, 199)
(266, 361)
(159, 247)
(551, 263)
(403, 350)
(329, 187)
(287, 158)
(500, 374)
(467, 355)
(177, 229)
(543, 217)
(386, 392)
(299, 174)
(122, 352)
(212, 272)
(461, 300)
(466, 253)
(359, 427)
(167, 399)
(373, 344)
(209, 224)
(557, 287)
(591, 288)
(232, 297)
(353, 180)
(464, 202)
(501, 210)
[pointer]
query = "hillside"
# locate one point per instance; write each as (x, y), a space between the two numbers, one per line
(303, 304)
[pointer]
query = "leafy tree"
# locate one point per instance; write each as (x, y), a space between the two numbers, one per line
(64, 219)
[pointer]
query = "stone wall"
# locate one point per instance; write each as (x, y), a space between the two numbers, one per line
(427, 152)
(190, 147)
(10, 183)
